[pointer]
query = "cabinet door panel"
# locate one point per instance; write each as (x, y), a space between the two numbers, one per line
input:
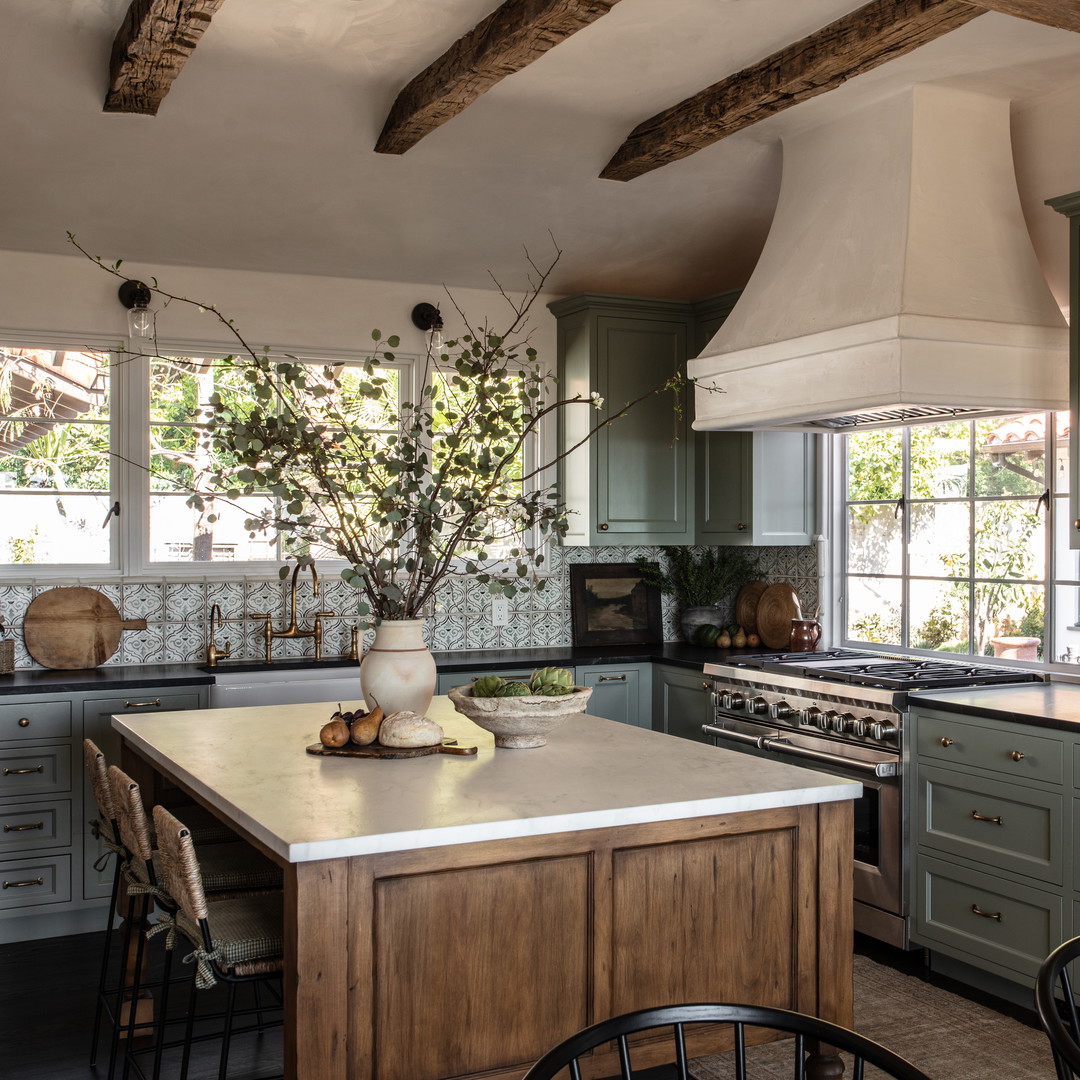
(621, 692)
(682, 702)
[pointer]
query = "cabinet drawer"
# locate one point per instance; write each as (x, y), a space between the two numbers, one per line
(1010, 750)
(41, 720)
(143, 701)
(1005, 825)
(35, 825)
(35, 770)
(42, 880)
(1017, 927)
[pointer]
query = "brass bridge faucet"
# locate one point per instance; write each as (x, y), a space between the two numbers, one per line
(293, 630)
(213, 653)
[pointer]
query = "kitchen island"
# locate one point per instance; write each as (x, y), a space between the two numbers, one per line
(453, 916)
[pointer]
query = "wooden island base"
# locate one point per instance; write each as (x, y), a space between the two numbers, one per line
(472, 961)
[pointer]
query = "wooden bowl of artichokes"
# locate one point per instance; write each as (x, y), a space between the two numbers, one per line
(522, 714)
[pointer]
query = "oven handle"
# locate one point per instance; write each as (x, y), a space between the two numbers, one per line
(783, 748)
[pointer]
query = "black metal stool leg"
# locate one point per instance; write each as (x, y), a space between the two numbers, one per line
(104, 977)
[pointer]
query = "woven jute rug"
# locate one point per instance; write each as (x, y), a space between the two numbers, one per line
(948, 1037)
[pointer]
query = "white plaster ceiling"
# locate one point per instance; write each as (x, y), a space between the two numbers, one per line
(261, 155)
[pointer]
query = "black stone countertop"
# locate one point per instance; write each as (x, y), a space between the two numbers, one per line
(39, 681)
(1050, 705)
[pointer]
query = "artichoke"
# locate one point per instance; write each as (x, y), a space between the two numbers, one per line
(488, 686)
(552, 676)
(553, 690)
(512, 689)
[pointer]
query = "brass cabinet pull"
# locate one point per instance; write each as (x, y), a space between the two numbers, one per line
(24, 721)
(604, 527)
(612, 678)
(982, 817)
(945, 741)
(22, 772)
(976, 910)
(141, 704)
(706, 686)
(741, 526)
(1017, 756)
(24, 828)
(23, 884)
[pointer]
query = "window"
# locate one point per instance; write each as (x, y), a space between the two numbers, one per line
(56, 472)
(956, 538)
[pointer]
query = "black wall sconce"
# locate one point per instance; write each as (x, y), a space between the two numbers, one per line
(136, 297)
(428, 318)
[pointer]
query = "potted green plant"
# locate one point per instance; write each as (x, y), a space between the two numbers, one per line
(407, 493)
(701, 580)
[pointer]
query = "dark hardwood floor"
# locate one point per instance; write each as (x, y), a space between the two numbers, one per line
(48, 993)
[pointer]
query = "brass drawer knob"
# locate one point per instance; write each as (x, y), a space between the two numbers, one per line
(1017, 756)
(945, 741)
(24, 721)
(604, 527)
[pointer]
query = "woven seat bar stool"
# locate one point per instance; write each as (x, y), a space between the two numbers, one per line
(231, 868)
(674, 1018)
(206, 829)
(237, 940)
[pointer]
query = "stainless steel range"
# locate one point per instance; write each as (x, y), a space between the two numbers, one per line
(842, 712)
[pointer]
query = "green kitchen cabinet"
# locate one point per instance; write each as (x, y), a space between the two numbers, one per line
(57, 882)
(628, 484)
(1069, 205)
(620, 692)
(682, 701)
(991, 835)
(648, 478)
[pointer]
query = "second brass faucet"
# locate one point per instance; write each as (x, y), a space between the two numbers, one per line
(293, 630)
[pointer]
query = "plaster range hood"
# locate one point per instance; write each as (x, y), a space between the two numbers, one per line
(898, 284)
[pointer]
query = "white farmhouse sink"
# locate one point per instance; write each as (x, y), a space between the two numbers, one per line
(284, 686)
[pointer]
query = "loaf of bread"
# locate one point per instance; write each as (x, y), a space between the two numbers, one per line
(404, 729)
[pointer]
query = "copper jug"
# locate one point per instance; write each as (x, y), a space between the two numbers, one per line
(805, 635)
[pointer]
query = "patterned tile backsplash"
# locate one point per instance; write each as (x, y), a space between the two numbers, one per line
(177, 612)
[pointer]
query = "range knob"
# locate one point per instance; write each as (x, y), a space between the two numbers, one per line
(843, 722)
(825, 720)
(781, 711)
(757, 705)
(882, 731)
(732, 700)
(861, 727)
(810, 716)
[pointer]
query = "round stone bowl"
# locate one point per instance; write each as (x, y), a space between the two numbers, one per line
(520, 722)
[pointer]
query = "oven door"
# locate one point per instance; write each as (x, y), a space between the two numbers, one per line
(879, 865)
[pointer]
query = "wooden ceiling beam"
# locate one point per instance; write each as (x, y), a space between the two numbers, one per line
(510, 38)
(150, 49)
(871, 35)
(1063, 14)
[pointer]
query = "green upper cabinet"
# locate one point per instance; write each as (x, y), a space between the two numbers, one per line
(648, 478)
(1069, 205)
(628, 484)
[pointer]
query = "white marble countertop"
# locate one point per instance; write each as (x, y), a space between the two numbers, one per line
(251, 766)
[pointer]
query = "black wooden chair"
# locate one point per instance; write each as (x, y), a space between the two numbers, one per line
(1057, 1010)
(805, 1028)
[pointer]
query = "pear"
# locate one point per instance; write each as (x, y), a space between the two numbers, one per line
(365, 729)
(739, 640)
(334, 733)
(724, 640)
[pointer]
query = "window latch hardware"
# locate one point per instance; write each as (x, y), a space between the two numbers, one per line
(114, 509)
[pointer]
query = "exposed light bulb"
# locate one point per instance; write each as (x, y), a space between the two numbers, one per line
(436, 338)
(140, 322)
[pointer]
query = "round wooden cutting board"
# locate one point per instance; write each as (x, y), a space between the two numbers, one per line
(779, 604)
(746, 603)
(74, 628)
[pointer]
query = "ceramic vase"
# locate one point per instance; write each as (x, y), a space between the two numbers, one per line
(398, 671)
(692, 618)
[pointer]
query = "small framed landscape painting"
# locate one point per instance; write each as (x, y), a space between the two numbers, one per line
(611, 605)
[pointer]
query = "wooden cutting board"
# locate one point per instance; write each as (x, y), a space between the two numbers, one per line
(779, 604)
(374, 750)
(74, 628)
(746, 603)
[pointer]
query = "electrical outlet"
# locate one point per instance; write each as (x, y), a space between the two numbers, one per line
(500, 611)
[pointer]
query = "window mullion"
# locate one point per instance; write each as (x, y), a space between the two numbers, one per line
(132, 418)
